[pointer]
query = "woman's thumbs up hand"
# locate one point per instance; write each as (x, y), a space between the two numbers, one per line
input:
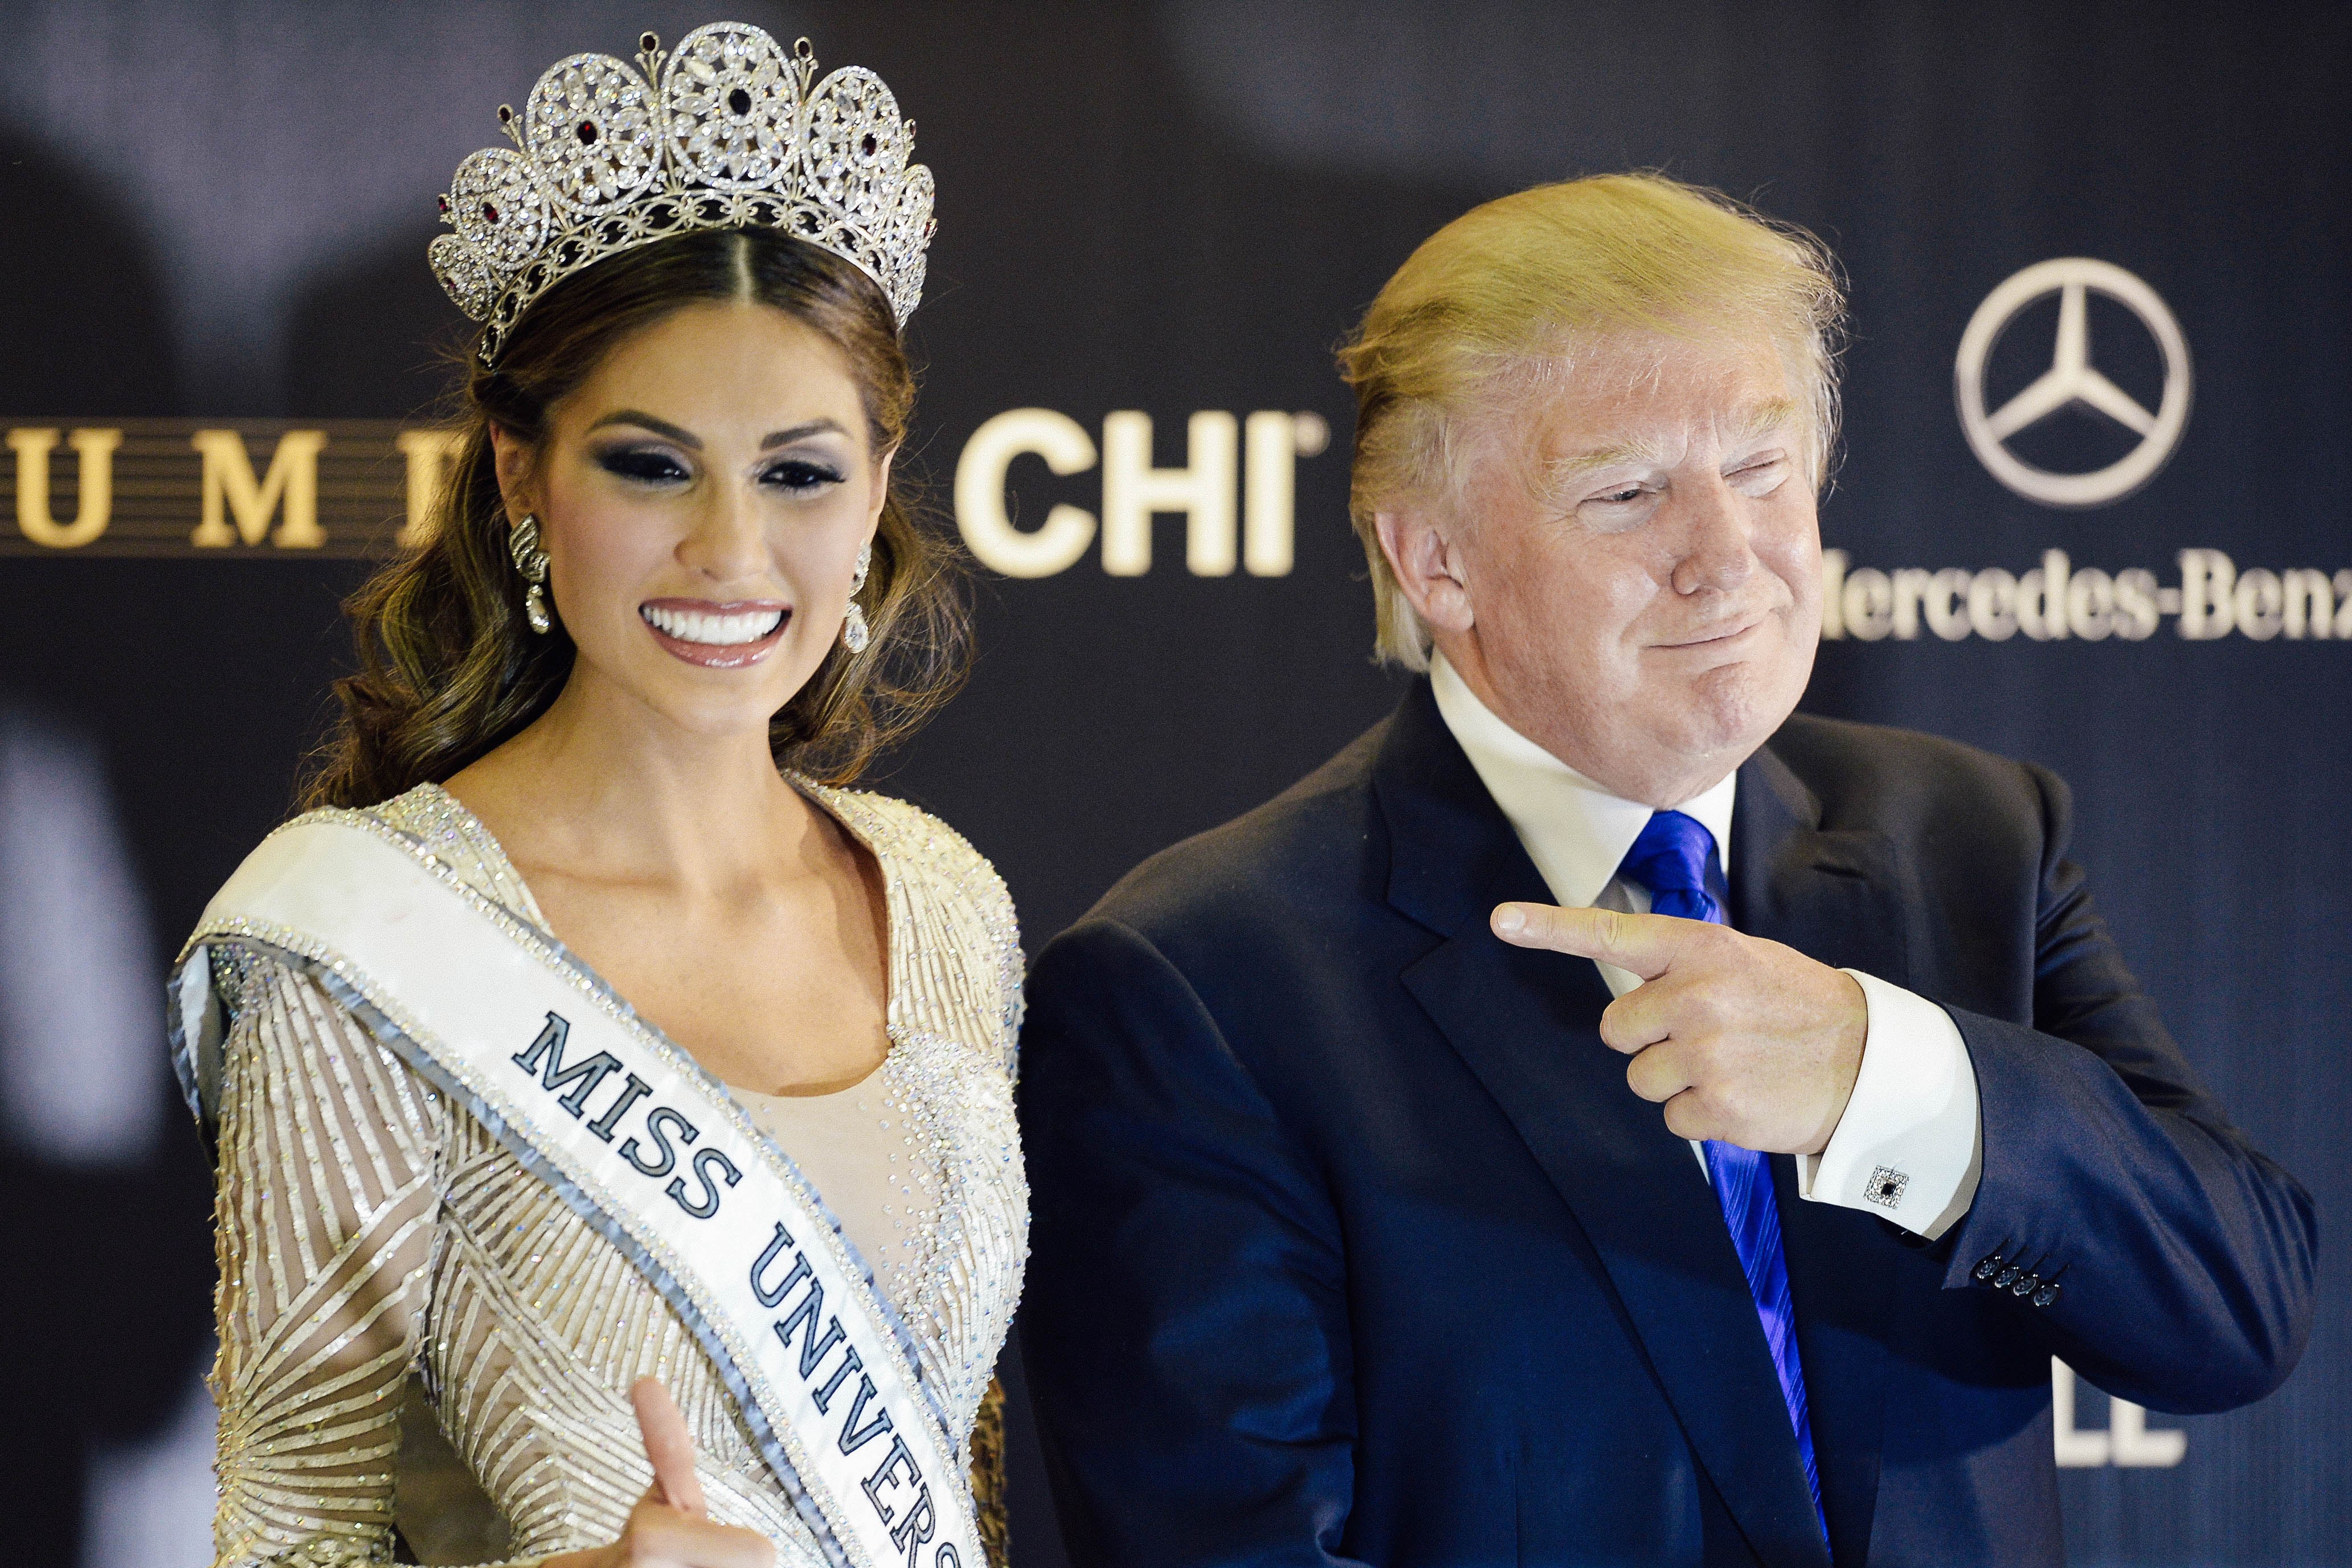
(671, 1527)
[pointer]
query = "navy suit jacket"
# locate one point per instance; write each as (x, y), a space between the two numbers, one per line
(1350, 1244)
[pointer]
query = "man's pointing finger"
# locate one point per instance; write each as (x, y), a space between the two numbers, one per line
(1643, 944)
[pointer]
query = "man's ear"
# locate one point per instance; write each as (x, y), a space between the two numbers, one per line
(1427, 567)
(518, 484)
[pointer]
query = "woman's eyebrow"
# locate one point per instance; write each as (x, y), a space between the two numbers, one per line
(800, 432)
(646, 421)
(663, 427)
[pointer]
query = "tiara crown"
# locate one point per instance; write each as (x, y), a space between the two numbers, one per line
(739, 135)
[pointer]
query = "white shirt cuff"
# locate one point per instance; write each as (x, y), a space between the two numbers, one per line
(1908, 1147)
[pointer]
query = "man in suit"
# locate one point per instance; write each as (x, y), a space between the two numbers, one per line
(1599, 1116)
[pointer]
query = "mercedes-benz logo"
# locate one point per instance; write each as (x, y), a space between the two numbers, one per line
(2070, 380)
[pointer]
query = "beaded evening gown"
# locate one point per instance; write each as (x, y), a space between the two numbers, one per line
(368, 1231)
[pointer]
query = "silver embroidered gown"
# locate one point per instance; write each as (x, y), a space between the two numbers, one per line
(368, 1230)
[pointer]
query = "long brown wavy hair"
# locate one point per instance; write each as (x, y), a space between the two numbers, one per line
(449, 669)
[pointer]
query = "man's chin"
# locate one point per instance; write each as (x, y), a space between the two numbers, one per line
(1737, 708)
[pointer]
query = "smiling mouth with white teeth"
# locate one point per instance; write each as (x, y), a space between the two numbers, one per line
(719, 636)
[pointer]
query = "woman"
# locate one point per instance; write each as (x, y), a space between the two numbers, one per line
(591, 1041)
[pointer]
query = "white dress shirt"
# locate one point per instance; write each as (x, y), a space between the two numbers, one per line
(1908, 1146)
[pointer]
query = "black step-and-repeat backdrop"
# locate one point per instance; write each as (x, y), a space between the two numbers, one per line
(2093, 513)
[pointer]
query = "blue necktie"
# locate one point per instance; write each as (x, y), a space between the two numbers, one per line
(1671, 859)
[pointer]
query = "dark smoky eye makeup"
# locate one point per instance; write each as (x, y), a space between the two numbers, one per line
(802, 473)
(647, 463)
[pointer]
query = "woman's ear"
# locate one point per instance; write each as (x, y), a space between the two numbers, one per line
(518, 480)
(881, 490)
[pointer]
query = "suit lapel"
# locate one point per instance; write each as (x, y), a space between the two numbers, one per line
(1832, 894)
(1835, 896)
(1527, 1026)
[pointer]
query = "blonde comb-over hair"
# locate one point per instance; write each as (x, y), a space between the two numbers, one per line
(1501, 295)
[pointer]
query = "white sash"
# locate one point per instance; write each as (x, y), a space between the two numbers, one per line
(640, 1140)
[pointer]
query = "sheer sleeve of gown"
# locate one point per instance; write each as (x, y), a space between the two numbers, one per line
(369, 1230)
(326, 1196)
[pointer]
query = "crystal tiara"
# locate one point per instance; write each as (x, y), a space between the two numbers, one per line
(740, 135)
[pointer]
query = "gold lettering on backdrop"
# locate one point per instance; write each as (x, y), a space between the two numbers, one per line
(987, 527)
(2309, 602)
(1133, 490)
(1202, 490)
(1272, 444)
(2129, 1442)
(178, 488)
(431, 454)
(96, 507)
(2058, 602)
(231, 490)
(2209, 597)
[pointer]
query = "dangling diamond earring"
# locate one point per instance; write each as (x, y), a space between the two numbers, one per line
(855, 633)
(531, 562)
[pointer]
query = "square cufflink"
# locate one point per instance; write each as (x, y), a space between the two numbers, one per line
(1884, 1187)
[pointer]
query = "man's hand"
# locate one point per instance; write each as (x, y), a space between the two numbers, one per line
(1740, 1040)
